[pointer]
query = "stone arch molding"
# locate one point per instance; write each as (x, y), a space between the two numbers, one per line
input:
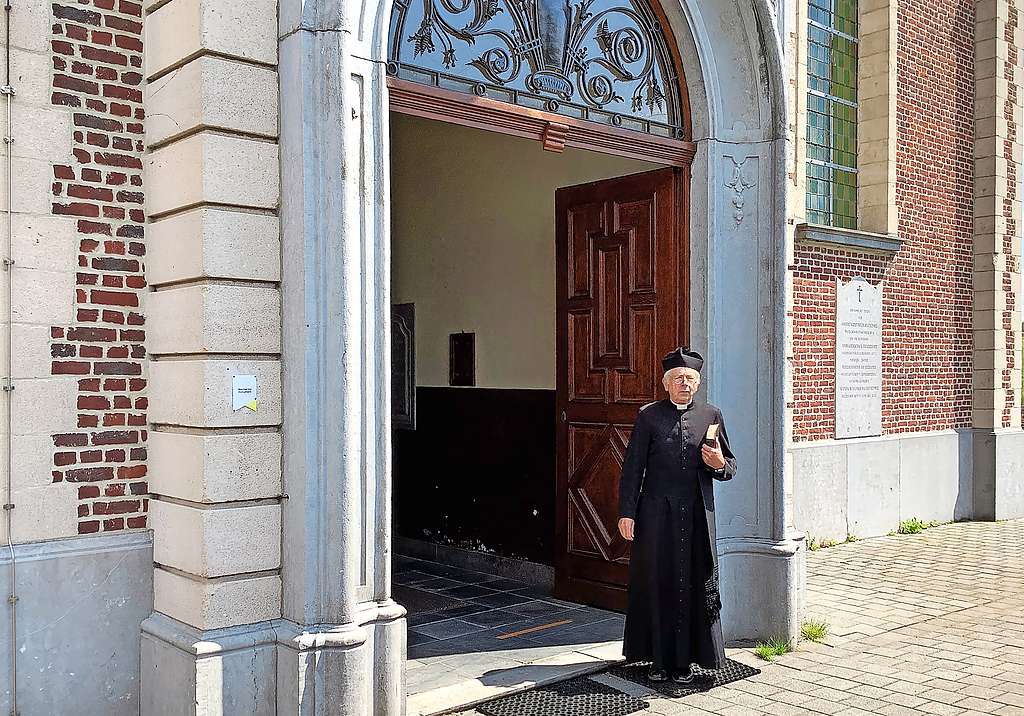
(342, 649)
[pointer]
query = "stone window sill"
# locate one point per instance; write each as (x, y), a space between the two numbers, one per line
(848, 239)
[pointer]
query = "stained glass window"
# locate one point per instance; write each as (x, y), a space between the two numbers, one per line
(600, 60)
(832, 113)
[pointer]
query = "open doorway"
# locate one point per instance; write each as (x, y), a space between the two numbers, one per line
(514, 397)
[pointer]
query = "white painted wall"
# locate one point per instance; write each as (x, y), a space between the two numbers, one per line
(473, 244)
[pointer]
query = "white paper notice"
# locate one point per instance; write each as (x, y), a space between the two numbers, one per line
(243, 392)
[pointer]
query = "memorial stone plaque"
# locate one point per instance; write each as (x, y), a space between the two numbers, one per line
(858, 359)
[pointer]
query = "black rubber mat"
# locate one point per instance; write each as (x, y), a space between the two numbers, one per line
(637, 673)
(418, 601)
(576, 697)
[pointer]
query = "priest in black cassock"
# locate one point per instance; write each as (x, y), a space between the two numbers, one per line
(667, 509)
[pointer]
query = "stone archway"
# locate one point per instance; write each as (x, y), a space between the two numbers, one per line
(341, 649)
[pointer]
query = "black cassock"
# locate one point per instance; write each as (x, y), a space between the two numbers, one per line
(673, 615)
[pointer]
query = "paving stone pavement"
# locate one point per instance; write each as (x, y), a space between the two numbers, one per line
(919, 624)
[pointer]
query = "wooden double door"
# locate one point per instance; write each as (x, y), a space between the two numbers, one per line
(622, 303)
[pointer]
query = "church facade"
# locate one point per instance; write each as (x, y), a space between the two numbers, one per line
(295, 283)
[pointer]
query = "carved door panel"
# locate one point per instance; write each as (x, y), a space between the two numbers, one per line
(622, 304)
(403, 366)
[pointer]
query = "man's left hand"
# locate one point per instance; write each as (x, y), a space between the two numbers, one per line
(713, 456)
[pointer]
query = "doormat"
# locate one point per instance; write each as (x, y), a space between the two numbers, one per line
(418, 601)
(637, 673)
(575, 697)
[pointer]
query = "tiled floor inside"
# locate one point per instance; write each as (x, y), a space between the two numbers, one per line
(467, 627)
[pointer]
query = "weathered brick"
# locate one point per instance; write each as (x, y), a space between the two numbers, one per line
(77, 208)
(114, 159)
(75, 84)
(95, 193)
(89, 474)
(116, 508)
(100, 55)
(113, 298)
(93, 227)
(131, 473)
(121, 92)
(104, 124)
(64, 12)
(129, 26)
(65, 367)
(65, 100)
(115, 437)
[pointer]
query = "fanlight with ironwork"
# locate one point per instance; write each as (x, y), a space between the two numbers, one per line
(600, 60)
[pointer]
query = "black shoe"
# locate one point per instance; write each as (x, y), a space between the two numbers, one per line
(684, 677)
(657, 675)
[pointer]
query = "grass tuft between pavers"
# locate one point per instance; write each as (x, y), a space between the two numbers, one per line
(772, 648)
(814, 631)
(915, 526)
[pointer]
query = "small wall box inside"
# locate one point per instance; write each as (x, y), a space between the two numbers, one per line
(462, 359)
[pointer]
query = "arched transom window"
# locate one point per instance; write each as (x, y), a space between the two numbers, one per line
(600, 60)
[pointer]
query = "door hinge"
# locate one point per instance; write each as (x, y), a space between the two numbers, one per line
(8, 384)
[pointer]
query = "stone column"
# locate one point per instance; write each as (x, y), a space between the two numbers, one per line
(998, 439)
(214, 313)
(341, 648)
(876, 118)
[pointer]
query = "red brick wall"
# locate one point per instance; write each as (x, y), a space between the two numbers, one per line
(97, 75)
(926, 311)
(1010, 284)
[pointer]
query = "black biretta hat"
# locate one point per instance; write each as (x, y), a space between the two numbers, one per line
(682, 357)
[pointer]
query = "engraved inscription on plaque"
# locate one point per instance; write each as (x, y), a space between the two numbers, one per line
(858, 359)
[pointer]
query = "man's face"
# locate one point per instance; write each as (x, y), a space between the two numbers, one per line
(681, 384)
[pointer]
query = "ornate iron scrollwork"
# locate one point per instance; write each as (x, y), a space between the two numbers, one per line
(603, 60)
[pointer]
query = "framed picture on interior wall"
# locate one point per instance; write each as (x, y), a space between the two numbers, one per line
(403, 366)
(462, 359)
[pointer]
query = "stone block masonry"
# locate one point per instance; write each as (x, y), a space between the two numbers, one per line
(97, 76)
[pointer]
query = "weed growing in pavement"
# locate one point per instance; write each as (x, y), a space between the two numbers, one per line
(814, 631)
(914, 526)
(772, 648)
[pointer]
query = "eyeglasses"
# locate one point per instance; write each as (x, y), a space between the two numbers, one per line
(681, 379)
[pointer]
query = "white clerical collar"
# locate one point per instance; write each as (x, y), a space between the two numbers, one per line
(682, 407)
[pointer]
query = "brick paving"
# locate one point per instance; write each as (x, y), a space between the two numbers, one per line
(919, 624)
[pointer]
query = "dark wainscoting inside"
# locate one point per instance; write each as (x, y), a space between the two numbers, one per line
(478, 466)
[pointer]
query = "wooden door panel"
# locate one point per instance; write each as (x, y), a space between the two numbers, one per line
(585, 384)
(611, 346)
(584, 222)
(639, 386)
(621, 254)
(638, 217)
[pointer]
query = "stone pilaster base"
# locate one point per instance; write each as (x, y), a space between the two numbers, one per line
(188, 672)
(763, 585)
(276, 667)
(344, 670)
(998, 474)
